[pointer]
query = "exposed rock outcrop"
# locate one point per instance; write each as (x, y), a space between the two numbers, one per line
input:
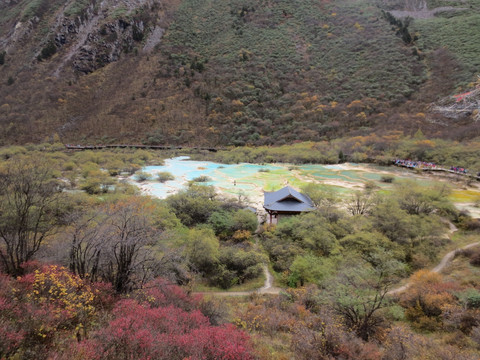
(92, 35)
(95, 39)
(418, 9)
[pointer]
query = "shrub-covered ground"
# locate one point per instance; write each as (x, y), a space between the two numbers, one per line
(232, 72)
(96, 271)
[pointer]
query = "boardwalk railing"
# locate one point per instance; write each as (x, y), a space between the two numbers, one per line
(124, 146)
(437, 168)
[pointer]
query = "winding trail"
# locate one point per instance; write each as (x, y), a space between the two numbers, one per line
(443, 263)
(447, 258)
(268, 287)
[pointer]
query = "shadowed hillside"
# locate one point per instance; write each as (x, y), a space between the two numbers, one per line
(233, 72)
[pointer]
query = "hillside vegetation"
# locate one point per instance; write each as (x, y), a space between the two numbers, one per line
(91, 269)
(232, 72)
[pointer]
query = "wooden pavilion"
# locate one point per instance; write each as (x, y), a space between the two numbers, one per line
(286, 202)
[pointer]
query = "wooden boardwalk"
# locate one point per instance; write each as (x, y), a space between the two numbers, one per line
(439, 169)
(214, 149)
(134, 146)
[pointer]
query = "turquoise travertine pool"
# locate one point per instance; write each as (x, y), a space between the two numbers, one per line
(249, 181)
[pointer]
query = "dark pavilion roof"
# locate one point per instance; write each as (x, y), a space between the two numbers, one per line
(287, 200)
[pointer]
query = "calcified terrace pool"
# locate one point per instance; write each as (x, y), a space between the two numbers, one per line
(250, 180)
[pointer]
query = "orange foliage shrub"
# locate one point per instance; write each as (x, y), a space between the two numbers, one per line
(241, 235)
(426, 298)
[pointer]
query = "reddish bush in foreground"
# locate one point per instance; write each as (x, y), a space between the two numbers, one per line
(139, 331)
(40, 307)
(51, 313)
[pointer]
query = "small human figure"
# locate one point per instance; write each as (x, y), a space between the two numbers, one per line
(234, 182)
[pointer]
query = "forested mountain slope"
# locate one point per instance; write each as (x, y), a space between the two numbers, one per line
(235, 72)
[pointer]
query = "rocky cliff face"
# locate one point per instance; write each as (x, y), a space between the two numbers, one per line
(90, 35)
(418, 9)
(91, 42)
(54, 76)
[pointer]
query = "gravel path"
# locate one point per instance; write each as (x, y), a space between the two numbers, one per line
(442, 264)
(268, 288)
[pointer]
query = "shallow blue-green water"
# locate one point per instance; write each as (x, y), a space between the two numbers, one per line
(251, 179)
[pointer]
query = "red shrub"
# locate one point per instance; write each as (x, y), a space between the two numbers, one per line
(139, 331)
(161, 292)
(49, 312)
(10, 339)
